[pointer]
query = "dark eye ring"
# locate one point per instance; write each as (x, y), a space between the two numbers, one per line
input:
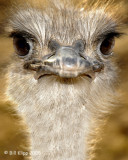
(107, 46)
(22, 46)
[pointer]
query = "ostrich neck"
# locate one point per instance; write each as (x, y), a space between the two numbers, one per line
(58, 132)
(60, 115)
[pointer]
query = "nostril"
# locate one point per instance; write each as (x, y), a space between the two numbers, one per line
(97, 67)
(83, 56)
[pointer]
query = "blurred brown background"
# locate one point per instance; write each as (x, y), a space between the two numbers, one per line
(113, 146)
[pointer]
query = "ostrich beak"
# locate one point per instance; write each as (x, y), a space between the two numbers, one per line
(66, 63)
(67, 66)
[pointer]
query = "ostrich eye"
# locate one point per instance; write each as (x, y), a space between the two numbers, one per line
(21, 45)
(107, 46)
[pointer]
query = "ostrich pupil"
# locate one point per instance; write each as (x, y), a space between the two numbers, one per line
(22, 46)
(106, 46)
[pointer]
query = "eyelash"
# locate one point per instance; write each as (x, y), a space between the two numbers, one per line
(22, 34)
(109, 35)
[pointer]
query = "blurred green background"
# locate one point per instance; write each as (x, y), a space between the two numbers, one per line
(114, 144)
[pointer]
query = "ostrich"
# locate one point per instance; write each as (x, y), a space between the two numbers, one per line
(63, 75)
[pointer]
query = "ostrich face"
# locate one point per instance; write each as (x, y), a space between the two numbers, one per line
(61, 52)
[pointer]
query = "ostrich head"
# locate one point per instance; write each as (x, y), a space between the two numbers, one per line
(64, 62)
(63, 55)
